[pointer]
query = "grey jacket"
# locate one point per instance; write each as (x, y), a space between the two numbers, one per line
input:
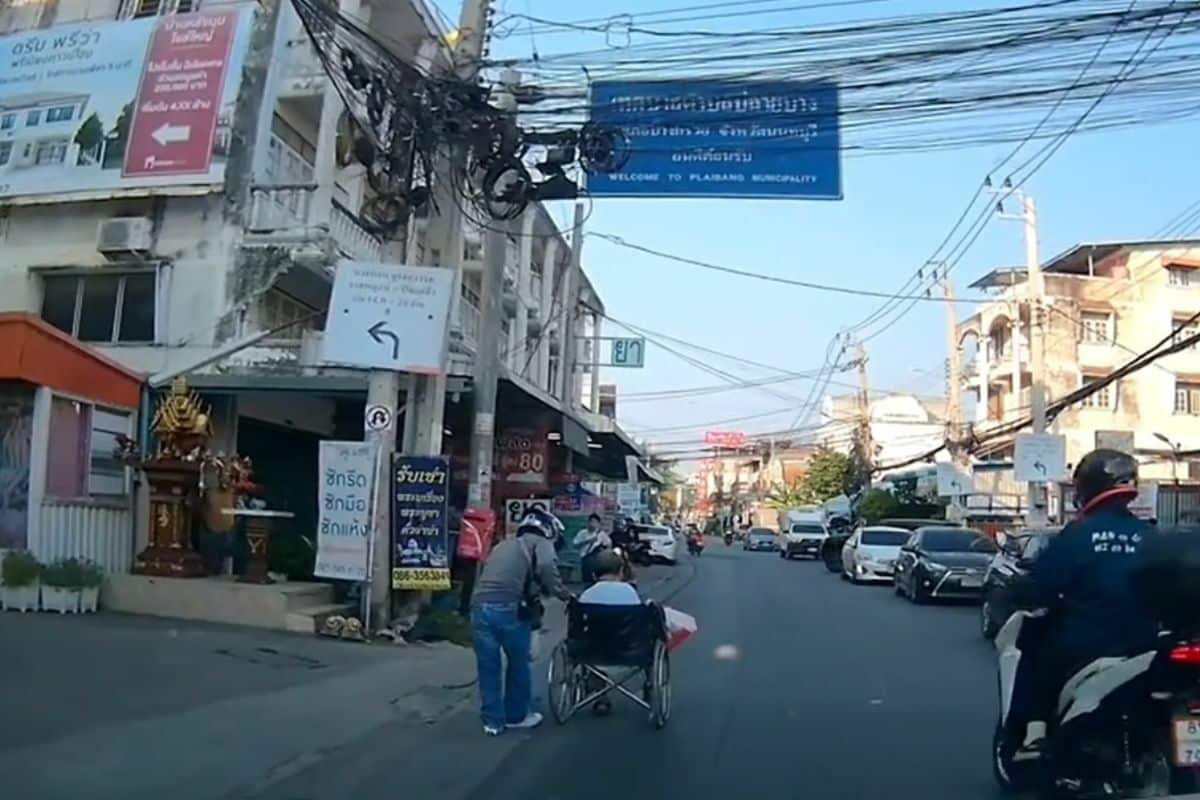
(502, 579)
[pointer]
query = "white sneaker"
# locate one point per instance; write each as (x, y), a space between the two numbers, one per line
(492, 730)
(532, 720)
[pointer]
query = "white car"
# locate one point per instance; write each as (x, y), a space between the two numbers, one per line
(871, 553)
(664, 544)
(803, 538)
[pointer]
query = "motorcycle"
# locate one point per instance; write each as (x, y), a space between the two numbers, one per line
(1124, 726)
(695, 545)
(728, 539)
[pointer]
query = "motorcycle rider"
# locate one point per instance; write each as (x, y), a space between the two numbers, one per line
(1083, 577)
(591, 541)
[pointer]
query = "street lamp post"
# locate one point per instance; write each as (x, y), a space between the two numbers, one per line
(1175, 448)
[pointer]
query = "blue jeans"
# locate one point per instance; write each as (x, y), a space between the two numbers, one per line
(496, 628)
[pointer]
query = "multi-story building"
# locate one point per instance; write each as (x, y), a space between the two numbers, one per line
(1104, 303)
(176, 237)
(903, 426)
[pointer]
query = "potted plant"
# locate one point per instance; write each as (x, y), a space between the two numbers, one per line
(91, 578)
(60, 586)
(19, 574)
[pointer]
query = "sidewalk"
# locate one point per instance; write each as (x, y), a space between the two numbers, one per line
(148, 708)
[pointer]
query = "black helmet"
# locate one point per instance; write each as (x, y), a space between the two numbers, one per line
(1101, 471)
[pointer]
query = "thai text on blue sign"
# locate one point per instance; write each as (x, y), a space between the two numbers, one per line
(420, 520)
(346, 484)
(721, 139)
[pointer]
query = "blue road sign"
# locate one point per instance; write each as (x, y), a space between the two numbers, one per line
(721, 139)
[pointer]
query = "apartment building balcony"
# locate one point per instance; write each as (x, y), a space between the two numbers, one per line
(286, 214)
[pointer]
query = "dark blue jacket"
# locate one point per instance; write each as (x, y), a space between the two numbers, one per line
(1086, 568)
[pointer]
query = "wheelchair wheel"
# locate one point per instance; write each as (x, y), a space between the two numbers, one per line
(660, 686)
(563, 684)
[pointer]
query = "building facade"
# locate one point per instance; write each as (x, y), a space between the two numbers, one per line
(1104, 304)
(206, 245)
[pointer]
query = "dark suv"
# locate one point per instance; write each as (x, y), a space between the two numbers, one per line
(1009, 566)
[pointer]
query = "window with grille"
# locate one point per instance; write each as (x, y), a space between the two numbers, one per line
(1184, 329)
(1187, 398)
(1104, 397)
(1096, 327)
(1179, 276)
(279, 308)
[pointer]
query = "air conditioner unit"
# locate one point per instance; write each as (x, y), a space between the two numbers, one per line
(122, 236)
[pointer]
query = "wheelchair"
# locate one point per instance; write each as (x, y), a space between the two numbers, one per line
(607, 647)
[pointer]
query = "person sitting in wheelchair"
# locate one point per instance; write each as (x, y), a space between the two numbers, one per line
(610, 588)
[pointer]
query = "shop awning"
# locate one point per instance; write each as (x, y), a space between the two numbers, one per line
(36, 352)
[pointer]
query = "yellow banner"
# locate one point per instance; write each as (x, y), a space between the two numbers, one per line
(420, 578)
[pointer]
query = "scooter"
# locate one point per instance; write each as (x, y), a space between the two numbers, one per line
(1122, 727)
(728, 538)
(695, 545)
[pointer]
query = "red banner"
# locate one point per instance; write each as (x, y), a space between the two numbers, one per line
(725, 438)
(179, 98)
(521, 460)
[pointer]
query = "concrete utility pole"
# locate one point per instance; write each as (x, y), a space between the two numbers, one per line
(953, 370)
(570, 343)
(1037, 515)
(487, 356)
(423, 420)
(865, 441)
(1037, 348)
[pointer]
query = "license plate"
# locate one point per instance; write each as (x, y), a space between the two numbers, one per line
(971, 583)
(1187, 741)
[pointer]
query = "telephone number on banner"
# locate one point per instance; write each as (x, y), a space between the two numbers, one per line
(409, 578)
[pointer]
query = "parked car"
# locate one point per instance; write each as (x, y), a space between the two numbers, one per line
(803, 538)
(662, 541)
(760, 539)
(871, 553)
(1008, 566)
(940, 562)
(831, 548)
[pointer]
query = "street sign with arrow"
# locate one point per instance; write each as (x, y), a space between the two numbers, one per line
(1040, 457)
(386, 316)
(953, 482)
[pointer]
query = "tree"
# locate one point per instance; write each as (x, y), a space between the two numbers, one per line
(827, 476)
(878, 504)
(90, 137)
(782, 497)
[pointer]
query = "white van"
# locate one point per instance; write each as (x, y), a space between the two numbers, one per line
(804, 531)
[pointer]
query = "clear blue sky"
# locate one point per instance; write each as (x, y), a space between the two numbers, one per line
(1100, 186)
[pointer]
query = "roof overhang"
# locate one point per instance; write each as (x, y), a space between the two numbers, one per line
(33, 351)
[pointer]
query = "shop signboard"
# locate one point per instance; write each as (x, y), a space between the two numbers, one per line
(100, 107)
(715, 138)
(420, 520)
(521, 459)
(347, 482)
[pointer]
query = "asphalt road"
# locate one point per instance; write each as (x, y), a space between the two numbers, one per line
(838, 691)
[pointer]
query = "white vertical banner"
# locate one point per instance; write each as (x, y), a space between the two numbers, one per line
(345, 484)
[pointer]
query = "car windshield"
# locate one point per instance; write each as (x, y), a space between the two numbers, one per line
(760, 533)
(654, 530)
(955, 540)
(811, 527)
(885, 538)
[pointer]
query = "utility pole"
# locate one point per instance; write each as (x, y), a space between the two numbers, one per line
(487, 356)
(865, 442)
(1037, 349)
(954, 430)
(1035, 297)
(570, 341)
(423, 417)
